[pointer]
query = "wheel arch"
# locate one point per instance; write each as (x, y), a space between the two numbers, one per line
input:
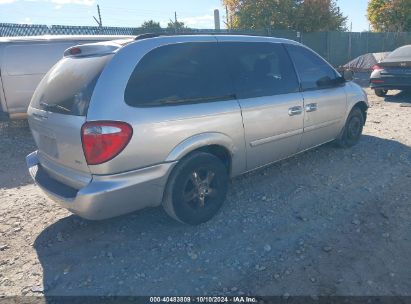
(218, 144)
(363, 106)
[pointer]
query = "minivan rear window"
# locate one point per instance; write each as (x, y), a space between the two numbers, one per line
(68, 86)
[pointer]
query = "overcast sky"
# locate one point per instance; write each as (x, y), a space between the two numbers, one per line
(194, 13)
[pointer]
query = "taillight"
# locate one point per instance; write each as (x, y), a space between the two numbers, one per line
(104, 140)
(376, 68)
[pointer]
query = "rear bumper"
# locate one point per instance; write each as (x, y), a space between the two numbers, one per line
(105, 196)
(383, 86)
(391, 83)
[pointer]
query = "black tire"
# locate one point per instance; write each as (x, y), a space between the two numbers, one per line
(353, 128)
(380, 92)
(196, 189)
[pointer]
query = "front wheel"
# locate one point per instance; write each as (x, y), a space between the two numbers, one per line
(380, 92)
(196, 188)
(352, 130)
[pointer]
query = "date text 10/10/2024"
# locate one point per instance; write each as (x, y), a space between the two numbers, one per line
(203, 299)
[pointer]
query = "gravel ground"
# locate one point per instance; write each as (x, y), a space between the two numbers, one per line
(326, 222)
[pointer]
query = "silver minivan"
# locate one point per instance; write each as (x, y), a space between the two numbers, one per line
(168, 120)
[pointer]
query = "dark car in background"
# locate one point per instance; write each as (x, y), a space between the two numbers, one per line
(392, 73)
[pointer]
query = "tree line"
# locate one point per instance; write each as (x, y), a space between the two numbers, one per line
(304, 16)
(390, 15)
(298, 15)
(154, 26)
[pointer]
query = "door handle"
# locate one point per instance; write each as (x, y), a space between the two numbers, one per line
(311, 107)
(295, 111)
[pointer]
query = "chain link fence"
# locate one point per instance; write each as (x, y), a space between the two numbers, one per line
(337, 47)
(14, 30)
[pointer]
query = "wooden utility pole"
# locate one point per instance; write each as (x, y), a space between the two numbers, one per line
(175, 21)
(350, 44)
(226, 17)
(217, 20)
(99, 22)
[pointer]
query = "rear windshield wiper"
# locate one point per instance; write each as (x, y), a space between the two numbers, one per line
(54, 106)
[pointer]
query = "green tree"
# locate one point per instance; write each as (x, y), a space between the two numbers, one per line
(319, 15)
(265, 14)
(301, 15)
(390, 15)
(176, 25)
(151, 25)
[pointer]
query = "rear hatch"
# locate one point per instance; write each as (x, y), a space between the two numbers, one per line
(394, 73)
(396, 67)
(58, 111)
(397, 64)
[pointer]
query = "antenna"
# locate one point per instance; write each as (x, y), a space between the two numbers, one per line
(99, 22)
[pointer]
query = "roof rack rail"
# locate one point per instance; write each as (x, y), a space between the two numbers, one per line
(146, 36)
(154, 35)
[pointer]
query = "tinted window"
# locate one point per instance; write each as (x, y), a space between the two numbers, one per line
(68, 86)
(179, 73)
(314, 72)
(260, 69)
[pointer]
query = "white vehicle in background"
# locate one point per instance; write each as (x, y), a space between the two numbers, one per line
(23, 63)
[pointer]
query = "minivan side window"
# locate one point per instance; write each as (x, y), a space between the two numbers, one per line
(314, 72)
(260, 69)
(179, 74)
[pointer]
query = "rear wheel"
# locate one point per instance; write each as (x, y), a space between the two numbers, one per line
(196, 189)
(380, 92)
(352, 130)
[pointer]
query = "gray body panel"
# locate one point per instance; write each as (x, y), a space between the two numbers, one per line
(60, 151)
(107, 196)
(325, 122)
(270, 133)
(24, 62)
(255, 132)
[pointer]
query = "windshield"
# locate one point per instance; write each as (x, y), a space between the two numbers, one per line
(67, 88)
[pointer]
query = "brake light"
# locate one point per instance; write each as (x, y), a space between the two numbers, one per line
(377, 68)
(104, 140)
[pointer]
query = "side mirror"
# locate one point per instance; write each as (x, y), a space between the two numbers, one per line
(348, 75)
